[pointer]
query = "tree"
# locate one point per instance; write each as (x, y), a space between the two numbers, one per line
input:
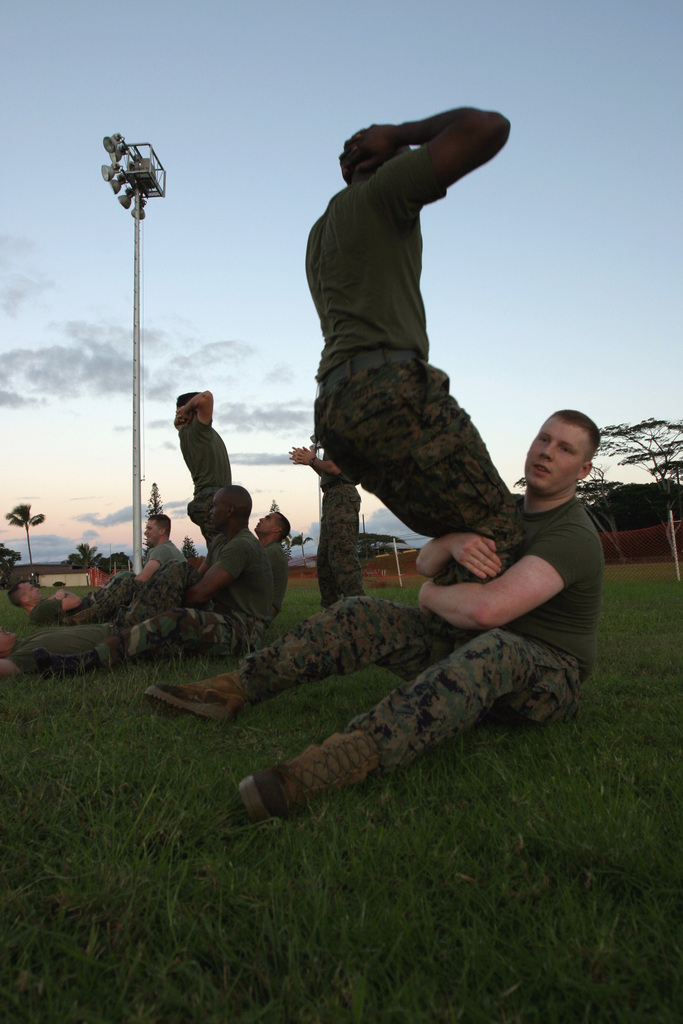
(274, 507)
(299, 541)
(85, 556)
(154, 505)
(8, 558)
(653, 445)
(21, 516)
(188, 549)
(115, 562)
(371, 544)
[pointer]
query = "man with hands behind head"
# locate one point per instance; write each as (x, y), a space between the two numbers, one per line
(205, 455)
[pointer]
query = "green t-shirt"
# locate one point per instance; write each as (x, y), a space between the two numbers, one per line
(47, 611)
(251, 592)
(566, 538)
(205, 455)
(62, 640)
(163, 553)
(364, 261)
(280, 569)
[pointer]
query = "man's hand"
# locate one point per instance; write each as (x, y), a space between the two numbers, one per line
(471, 550)
(368, 149)
(302, 456)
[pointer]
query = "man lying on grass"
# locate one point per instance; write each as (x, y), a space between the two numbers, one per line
(235, 577)
(517, 648)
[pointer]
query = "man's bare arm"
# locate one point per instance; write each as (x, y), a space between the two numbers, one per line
(202, 404)
(68, 598)
(458, 141)
(212, 580)
(525, 585)
(8, 668)
(150, 567)
(474, 552)
(307, 457)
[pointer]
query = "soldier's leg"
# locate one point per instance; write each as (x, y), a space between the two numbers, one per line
(165, 589)
(194, 630)
(199, 512)
(344, 504)
(496, 670)
(329, 591)
(102, 605)
(399, 432)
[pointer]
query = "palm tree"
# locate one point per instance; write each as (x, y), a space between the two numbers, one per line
(85, 555)
(300, 540)
(21, 516)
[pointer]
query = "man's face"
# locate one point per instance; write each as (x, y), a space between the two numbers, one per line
(7, 642)
(221, 510)
(558, 457)
(26, 589)
(153, 534)
(268, 527)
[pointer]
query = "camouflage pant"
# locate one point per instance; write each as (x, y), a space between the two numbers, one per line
(164, 589)
(497, 673)
(125, 601)
(339, 571)
(351, 635)
(192, 630)
(398, 432)
(199, 512)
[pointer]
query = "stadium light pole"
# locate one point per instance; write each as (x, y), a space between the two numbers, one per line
(136, 166)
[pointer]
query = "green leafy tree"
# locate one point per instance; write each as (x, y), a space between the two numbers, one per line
(188, 549)
(274, 507)
(371, 544)
(85, 556)
(653, 445)
(21, 516)
(115, 562)
(8, 559)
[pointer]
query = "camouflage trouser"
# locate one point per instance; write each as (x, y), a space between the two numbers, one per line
(397, 431)
(191, 630)
(164, 589)
(199, 512)
(339, 571)
(498, 673)
(117, 593)
(351, 635)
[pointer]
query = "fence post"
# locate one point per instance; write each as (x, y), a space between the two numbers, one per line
(674, 546)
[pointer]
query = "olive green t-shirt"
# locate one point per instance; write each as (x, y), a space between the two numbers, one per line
(163, 553)
(251, 592)
(61, 640)
(280, 568)
(205, 455)
(566, 538)
(47, 611)
(364, 261)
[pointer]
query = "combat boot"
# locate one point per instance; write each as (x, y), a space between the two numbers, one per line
(342, 760)
(218, 698)
(65, 664)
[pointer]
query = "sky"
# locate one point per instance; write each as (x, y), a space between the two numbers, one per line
(551, 278)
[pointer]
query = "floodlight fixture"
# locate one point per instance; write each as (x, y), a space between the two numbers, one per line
(138, 167)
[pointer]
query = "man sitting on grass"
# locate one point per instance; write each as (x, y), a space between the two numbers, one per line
(517, 648)
(103, 604)
(235, 577)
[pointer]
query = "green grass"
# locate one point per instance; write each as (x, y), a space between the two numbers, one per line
(529, 875)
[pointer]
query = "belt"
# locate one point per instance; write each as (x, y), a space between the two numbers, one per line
(330, 484)
(364, 361)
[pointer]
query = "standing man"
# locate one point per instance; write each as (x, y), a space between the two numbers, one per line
(338, 567)
(271, 530)
(383, 413)
(226, 610)
(520, 646)
(205, 455)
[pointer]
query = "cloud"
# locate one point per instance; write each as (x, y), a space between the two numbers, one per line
(258, 459)
(281, 373)
(123, 515)
(274, 417)
(97, 366)
(11, 400)
(384, 521)
(17, 290)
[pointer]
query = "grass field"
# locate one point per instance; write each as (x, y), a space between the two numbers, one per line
(529, 875)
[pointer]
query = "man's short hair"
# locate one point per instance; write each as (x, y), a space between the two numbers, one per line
(579, 419)
(13, 594)
(162, 519)
(284, 525)
(184, 399)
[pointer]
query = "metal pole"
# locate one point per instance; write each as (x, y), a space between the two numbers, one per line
(674, 546)
(137, 507)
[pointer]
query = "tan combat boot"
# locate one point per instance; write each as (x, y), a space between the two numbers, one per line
(219, 697)
(342, 760)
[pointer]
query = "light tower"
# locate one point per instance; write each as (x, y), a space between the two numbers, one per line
(136, 166)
